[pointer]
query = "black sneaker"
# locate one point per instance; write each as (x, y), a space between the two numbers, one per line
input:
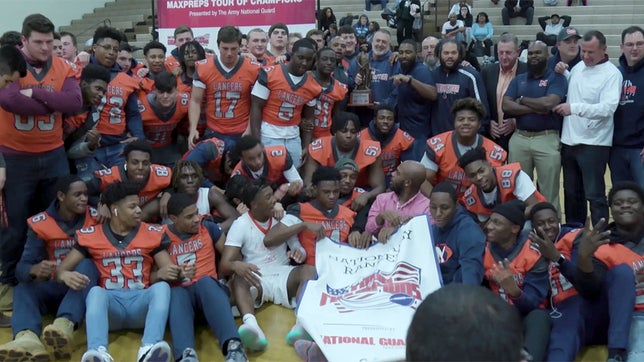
(236, 352)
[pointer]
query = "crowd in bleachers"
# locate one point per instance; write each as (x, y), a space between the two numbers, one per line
(123, 180)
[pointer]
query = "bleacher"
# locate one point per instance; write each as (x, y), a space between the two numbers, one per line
(134, 17)
(608, 16)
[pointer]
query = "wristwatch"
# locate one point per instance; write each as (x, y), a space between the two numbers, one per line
(562, 259)
(410, 79)
(519, 99)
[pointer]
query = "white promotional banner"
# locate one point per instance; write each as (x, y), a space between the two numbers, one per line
(361, 305)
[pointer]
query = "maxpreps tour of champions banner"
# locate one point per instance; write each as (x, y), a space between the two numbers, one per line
(361, 305)
(205, 17)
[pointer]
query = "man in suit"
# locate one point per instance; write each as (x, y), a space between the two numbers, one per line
(496, 78)
(518, 8)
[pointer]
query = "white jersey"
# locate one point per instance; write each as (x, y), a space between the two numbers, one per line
(245, 233)
(203, 203)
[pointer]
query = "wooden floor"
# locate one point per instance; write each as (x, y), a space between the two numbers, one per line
(276, 321)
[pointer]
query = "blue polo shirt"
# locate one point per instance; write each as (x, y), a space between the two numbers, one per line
(524, 85)
(414, 111)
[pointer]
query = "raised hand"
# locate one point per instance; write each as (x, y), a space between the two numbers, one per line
(592, 239)
(546, 247)
(503, 276)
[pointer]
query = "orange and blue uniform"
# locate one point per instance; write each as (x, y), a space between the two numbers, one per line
(323, 117)
(443, 151)
(159, 131)
(286, 100)
(530, 272)
(337, 224)
(159, 180)
(506, 176)
(276, 161)
(227, 94)
(393, 147)
(127, 267)
(325, 152)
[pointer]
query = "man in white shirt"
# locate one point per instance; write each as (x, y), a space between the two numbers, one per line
(265, 268)
(594, 89)
(552, 28)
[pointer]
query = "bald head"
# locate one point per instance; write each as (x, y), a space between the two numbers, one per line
(415, 172)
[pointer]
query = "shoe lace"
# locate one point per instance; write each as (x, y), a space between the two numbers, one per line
(235, 352)
(106, 356)
(189, 352)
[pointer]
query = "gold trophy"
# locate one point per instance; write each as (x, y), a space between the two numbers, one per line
(361, 94)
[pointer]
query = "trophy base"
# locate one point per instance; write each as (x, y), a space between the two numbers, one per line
(360, 98)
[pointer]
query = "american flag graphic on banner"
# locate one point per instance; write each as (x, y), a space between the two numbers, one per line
(361, 305)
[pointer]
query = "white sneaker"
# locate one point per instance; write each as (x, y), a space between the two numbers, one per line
(97, 355)
(189, 355)
(158, 352)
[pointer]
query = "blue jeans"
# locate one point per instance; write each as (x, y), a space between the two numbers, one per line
(293, 145)
(583, 178)
(567, 330)
(209, 297)
(608, 318)
(37, 298)
(106, 156)
(636, 339)
(113, 310)
(626, 165)
(29, 189)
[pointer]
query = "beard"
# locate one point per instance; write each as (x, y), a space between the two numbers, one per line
(396, 187)
(537, 69)
(450, 68)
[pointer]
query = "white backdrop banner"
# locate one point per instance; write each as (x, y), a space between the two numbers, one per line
(363, 301)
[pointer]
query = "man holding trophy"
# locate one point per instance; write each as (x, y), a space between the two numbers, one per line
(380, 85)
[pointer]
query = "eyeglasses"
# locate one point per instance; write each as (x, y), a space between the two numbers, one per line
(109, 48)
(639, 44)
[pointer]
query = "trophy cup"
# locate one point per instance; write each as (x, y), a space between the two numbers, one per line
(361, 95)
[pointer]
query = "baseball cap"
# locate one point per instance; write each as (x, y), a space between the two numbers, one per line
(567, 33)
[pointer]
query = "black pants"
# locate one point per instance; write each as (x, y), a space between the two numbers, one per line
(404, 29)
(550, 40)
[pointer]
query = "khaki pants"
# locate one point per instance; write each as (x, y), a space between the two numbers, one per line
(540, 152)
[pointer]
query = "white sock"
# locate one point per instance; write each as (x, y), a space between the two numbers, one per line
(250, 320)
(297, 327)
